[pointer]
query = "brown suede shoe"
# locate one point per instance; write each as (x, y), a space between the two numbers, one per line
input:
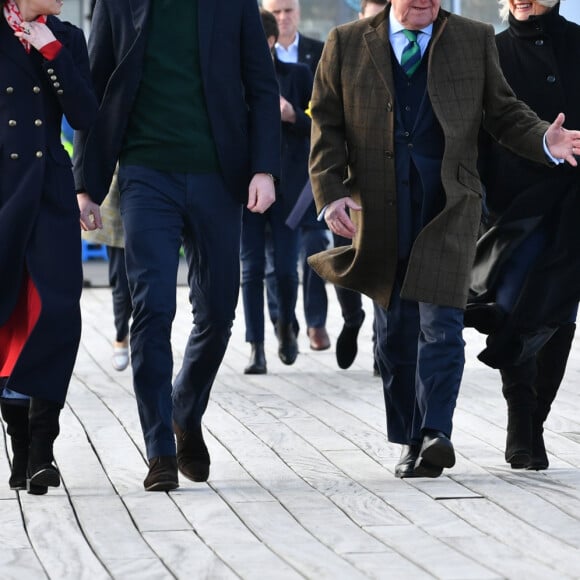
(162, 474)
(192, 454)
(318, 338)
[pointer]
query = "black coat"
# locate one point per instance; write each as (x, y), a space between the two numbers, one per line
(539, 58)
(242, 101)
(39, 214)
(295, 81)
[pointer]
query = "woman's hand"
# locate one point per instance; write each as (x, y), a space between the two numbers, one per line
(36, 34)
(90, 213)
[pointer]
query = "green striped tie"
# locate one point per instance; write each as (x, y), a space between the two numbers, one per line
(411, 57)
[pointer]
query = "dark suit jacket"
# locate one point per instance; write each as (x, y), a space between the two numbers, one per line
(295, 82)
(238, 80)
(353, 123)
(309, 52)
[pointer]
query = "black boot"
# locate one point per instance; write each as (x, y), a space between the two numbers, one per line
(44, 429)
(551, 365)
(257, 363)
(287, 343)
(15, 416)
(519, 395)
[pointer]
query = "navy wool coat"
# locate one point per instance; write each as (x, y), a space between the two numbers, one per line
(39, 215)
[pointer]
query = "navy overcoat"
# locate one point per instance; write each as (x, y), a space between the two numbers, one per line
(39, 214)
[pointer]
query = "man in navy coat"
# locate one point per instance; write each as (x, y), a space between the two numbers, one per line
(190, 110)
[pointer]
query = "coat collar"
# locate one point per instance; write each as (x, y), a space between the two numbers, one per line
(379, 45)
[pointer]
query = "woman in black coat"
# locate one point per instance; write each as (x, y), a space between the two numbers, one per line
(526, 279)
(44, 73)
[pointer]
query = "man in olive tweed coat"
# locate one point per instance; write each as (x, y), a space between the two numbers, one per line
(393, 165)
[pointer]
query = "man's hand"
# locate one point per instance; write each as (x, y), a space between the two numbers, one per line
(90, 213)
(287, 111)
(338, 219)
(563, 144)
(261, 193)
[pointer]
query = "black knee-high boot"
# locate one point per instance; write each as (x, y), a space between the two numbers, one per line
(551, 365)
(518, 392)
(15, 415)
(44, 429)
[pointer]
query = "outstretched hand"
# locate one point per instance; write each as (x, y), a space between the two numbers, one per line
(562, 143)
(338, 219)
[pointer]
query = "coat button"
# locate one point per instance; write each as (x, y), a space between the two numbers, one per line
(38, 154)
(389, 154)
(551, 78)
(36, 90)
(53, 77)
(38, 123)
(56, 85)
(50, 71)
(9, 90)
(539, 42)
(12, 123)
(14, 156)
(60, 92)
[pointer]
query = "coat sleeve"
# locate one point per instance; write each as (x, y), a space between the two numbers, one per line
(510, 121)
(328, 154)
(102, 64)
(69, 76)
(261, 93)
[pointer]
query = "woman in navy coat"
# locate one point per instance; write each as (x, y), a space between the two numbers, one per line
(44, 73)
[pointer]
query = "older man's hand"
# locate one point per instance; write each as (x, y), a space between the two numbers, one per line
(338, 219)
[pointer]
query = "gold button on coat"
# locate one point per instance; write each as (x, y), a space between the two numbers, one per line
(38, 123)
(36, 90)
(39, 154)
(12, 123)
(14, 156)
(9, 90)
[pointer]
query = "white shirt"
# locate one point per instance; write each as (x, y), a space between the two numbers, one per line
(289, 54)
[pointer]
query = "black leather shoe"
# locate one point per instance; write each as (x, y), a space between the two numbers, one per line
(346, 344)
(486, 318)
(192, 455)
(435, 454)
(287, 344)
(162, 474)
(406, 465)
(257, 362)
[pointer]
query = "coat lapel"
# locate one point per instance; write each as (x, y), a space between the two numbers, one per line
(139, 12)
(14, 50)
(206, 14)
(379, 47)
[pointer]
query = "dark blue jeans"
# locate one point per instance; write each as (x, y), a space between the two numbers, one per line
(420, 353)
(161, 211)
(120, 291)
(285, 260)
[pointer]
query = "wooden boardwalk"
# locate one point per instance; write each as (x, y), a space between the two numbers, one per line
(302, 481)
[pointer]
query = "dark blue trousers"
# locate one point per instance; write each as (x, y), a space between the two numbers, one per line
(253, 255)
(420, 354)
(161, 211)
(120, 291)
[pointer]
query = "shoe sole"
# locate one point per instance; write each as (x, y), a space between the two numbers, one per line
(45, 478)
(162, 486)
(198, 474)
(439, 454)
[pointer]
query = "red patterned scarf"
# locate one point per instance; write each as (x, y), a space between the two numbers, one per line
(14, 19)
